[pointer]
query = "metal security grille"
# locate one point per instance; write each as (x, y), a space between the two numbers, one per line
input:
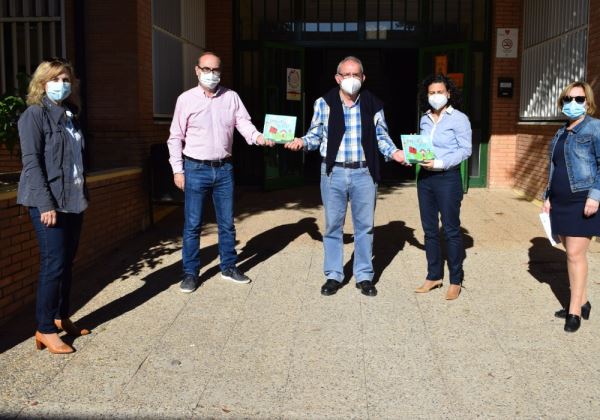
(554, 53)
(30, 30)
(361, 20)
(178, 38)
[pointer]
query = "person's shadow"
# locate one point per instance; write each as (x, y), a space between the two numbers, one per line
(270, 242)
(547, 264)
(388, 240)
(154, 284)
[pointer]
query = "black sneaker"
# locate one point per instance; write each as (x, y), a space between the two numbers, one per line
(188, 284)
(235, 275)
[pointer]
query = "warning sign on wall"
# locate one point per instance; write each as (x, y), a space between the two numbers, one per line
(507, 42)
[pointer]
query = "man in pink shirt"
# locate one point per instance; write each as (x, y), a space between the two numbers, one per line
(200, 147)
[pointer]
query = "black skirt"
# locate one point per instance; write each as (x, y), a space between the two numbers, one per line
(566, 214)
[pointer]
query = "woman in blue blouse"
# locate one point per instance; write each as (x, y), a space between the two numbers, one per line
(573, 192)
(439, 185)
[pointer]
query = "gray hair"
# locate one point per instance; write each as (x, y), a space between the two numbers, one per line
(350, 58)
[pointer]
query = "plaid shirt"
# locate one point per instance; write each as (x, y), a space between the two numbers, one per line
(351, 148)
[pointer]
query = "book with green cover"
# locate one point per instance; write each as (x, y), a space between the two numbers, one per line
(279, 128)
(417, 148)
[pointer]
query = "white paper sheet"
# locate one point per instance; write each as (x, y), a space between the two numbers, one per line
(545, 219)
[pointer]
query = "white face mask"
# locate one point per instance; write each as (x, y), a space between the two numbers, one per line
(209, 81)
(438, 101)
(351, 85)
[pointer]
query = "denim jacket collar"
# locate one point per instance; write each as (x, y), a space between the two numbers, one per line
(579, 126)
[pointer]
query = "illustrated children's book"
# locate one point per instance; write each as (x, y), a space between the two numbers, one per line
(417, 148)
(279, 128)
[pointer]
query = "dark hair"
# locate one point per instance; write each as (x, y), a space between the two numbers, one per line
(455, 95)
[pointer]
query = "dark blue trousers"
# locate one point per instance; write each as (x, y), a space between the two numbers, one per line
(58, 246)
(440, 194)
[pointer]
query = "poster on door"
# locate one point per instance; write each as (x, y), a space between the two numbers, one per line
(294, 85)
(507, 41)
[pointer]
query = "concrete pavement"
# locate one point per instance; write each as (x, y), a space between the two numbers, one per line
(278, 349)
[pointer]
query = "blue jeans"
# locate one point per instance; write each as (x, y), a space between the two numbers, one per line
(337, 188)
(200, 181)
(440, 193)
(58, 246)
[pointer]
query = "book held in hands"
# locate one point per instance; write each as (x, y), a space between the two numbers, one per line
(279, 128)
(417, 148)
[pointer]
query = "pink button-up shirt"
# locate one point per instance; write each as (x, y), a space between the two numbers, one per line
(202, 126)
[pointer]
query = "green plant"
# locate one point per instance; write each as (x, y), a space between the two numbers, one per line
(11, 108)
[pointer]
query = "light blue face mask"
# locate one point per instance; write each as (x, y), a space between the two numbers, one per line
(58, 91)
(573, 110)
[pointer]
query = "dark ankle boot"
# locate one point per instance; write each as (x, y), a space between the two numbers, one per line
(585, 311)
(572, 323)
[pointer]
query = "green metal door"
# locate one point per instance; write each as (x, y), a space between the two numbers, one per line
(282, 96)
(454, 61)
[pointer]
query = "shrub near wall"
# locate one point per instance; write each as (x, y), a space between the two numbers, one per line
(118, 210)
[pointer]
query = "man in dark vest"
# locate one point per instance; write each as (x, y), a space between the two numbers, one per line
(349, 129)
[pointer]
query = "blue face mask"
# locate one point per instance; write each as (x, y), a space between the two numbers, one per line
(57, 91)
(573, 110)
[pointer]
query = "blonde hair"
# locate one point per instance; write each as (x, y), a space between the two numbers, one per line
(46, 71)
(589, 96)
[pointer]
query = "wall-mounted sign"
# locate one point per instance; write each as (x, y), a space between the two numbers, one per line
(441, 64)
(507, 42)
(505, 87)
(458, 79)
(294, 85)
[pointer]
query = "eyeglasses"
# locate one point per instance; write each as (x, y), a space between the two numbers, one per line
(206, 70)
(578, 99)
(348, 75)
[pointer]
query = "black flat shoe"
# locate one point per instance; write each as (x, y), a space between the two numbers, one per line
(367, 288)
(585, 311)
(572, 323)
(330, 287)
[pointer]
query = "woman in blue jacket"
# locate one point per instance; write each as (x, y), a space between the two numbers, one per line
(573, 192)
(52, 186)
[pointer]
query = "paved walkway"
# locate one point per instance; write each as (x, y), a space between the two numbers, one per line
(278, 349)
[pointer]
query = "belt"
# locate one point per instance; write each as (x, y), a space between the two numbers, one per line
(213, 163)
(437, 171)
(351, 165)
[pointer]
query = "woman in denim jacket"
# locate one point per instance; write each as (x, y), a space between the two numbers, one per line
(573, 192)
(52, 186)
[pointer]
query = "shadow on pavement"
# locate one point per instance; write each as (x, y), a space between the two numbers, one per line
(127, 261)
(547, 264)
(268, 243)
(147, 249)
(388, 240)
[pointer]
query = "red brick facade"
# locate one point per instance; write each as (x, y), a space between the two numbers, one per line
(118, 72)
(504, 112)
(518, 151)
(117, 197)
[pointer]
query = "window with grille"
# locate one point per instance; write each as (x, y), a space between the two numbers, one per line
(554, 54)
(178, 38)
(30, 30)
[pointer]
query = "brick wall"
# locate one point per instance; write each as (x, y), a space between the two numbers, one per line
(219, 35)
(518, 152)
(504, 111)
(118, 210)
(8, 162)
(120, 114)
(531, 158)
